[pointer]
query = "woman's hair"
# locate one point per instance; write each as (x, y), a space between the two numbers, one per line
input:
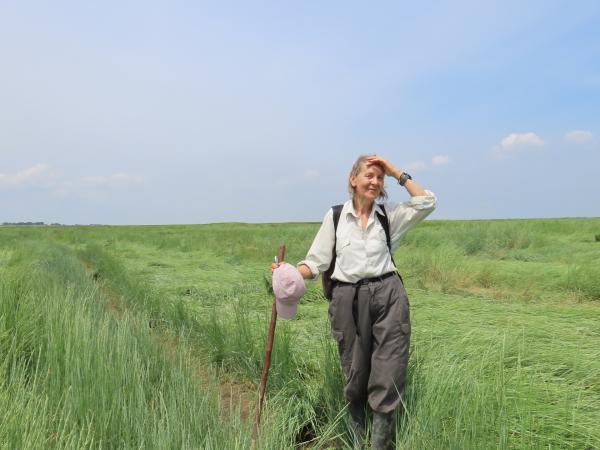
(356, 169)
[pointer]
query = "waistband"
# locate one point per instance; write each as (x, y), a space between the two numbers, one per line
(367, 280)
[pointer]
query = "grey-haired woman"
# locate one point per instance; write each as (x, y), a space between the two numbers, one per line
(369, 309)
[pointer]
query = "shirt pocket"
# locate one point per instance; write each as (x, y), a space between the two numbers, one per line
(342, 245)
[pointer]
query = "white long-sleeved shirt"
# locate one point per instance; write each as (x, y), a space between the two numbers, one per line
(364, 253)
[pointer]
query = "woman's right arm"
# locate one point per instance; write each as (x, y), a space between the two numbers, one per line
(320, 253)
(305, 271)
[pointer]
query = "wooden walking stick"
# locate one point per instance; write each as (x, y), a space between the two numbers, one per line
(267, 365)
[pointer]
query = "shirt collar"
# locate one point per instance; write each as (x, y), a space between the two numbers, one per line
(350, 209)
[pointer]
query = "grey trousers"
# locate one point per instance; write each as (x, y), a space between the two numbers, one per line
(371, 324)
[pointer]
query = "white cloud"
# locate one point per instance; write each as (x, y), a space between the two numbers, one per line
(437, 160)
(41, 175)
(579, 136)
(440, 160)
(311, 173)
(514, 140)
(517, 142)
(416, 166)
(24, 176)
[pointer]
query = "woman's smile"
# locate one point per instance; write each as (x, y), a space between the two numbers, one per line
(368, 182)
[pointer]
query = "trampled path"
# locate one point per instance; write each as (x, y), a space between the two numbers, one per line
(235, 396)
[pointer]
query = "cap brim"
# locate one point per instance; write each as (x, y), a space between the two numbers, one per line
(286, 310)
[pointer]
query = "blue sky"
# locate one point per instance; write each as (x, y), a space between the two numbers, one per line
(192, 112)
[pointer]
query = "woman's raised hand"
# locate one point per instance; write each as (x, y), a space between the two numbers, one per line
(389, 169)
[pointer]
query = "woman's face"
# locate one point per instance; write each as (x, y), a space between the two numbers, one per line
(368, 183)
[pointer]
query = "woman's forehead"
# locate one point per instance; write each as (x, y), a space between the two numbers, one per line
(373, 168)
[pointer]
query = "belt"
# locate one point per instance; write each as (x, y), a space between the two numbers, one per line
(367, 280)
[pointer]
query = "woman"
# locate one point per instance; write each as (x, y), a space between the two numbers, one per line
(369, 310)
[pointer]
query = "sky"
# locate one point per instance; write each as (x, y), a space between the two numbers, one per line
(144, 112)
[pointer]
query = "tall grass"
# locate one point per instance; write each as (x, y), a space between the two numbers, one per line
(483, 389)
(74, 377)
(584, 278)
(111, 358)
(231, 334)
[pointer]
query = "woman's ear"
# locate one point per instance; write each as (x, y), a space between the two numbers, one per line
(352, 181)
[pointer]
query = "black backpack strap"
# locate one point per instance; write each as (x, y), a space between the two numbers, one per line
(385, 223)
(326, 277)
(337, 211)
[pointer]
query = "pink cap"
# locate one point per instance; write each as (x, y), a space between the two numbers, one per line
(289, 287)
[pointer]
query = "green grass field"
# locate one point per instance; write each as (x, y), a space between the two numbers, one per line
(153, 337)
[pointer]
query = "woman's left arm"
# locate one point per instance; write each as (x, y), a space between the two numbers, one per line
(392, 171)
(405, 215)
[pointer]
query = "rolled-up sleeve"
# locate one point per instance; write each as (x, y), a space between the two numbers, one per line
(320, 253)
(404, 216)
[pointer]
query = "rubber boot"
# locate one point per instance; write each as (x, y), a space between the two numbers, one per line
(384, 431)
(358, 423)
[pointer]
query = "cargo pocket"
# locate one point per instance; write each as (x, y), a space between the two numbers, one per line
(344, 355)
(338, 336)
(400, 341)
(339, 339)
(406, 328)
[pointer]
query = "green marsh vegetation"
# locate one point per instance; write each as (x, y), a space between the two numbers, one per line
(143, 337)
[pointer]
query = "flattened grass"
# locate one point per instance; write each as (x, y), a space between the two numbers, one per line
(489, 374)
(504, 348)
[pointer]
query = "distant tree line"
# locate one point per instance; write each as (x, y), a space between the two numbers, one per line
(55, 224)
(30, 223)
